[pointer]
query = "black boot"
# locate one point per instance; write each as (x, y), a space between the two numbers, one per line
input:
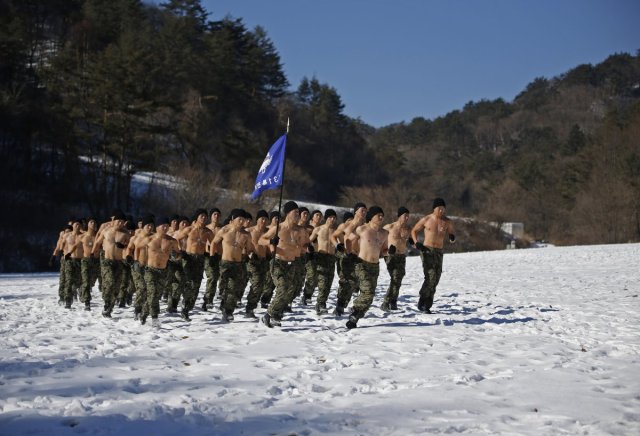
(393, 305)
(87, 306)
(204, 306)
(385, 307)
(353, 322)
(185, 315)
(338, 311)
(249, 314)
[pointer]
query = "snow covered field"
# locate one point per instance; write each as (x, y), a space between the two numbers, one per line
(540, 341)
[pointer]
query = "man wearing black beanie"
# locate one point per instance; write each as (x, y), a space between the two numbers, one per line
(436, 227)
(399, 233)
(373, 243)
(212, 262)
(324, 259)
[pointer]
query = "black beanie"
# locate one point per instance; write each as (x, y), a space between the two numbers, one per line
(438, 202)
(274, 214)
(215, 209)
(330, 212)
(236, 213)
(375, 210)
(119, 216)
(164, 220)
(315, 212)
(347, 216)
(175, 217)
(247, 215)
(303, 209)
(147, 220)
(289, 206)
(402, 210)
(358, 206)
(262, 213)
(199, 212)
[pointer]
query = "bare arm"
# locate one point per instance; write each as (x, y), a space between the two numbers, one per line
(265, 239)
(414, 232)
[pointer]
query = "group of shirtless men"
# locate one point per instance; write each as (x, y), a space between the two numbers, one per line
(164, 259)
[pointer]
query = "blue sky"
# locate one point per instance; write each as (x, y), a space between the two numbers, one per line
(394, 60)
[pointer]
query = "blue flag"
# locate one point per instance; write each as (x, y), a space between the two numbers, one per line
(271, 171)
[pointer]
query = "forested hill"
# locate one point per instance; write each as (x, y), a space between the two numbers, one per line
(92, 91)
(563, 157)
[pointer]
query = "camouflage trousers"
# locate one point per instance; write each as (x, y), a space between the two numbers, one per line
(212, 271)
(193, 266)
(89, 271)
(325, 270)
(258, 269)
(137, 275)
(367, 275)
(61, 280)
(311, 275)
(269, 286)
(72, 279)
(283, 273)
(231, 280)
(432, 268)
(113, 273)
(396, 264)
(244, 279)
(175, 283)
(347, 282)
(297, 280)
(155, 280)
(126, 285)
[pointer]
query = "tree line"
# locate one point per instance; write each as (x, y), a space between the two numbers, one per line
(93, 91)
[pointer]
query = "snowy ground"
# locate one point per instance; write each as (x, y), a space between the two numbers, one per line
(540, 341)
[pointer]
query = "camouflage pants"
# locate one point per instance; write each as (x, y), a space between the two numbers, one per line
(137, 275)
(111, 282)
(175, 282)
(396, 264)
(311, 275)
(347, 282)
(72, 279)
(212, 271)
(325, 270)
(193, 266)
(231, 281)
(61, 280)
(155, 280)
(258, 270)
(90, 271)
(126, 285)
(244, 279)
(269, 286)
(283, 273)
(367, 274)
(298, 277)
(432, 268)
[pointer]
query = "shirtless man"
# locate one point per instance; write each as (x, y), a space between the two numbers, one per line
(436, 226)
(287, 240)
(114, 241)
(311, 266)
(372, 240)
(324, 258)
(348, 284)
(136, 247)
(396, 260)
(73, 253)
(90, 264)
(212, 262)
(56, 251)
(176, 277)
(235, 242)
(269, 286)
(258, 266)
(158, 247)
(301, 261)
(198, 236)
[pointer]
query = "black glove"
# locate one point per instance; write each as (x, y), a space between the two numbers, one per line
(67, 256)
(452, 237)
(411, 242)
(52, 260)
(392, 249)
(129, 260)
(121, 245)
(206, 254)
(311, 248)
(420, 246)
(274, 241)
(340, 247)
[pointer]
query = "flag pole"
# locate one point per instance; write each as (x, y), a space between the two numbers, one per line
(284, 165)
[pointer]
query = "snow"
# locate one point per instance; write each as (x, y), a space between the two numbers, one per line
(521, 342)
